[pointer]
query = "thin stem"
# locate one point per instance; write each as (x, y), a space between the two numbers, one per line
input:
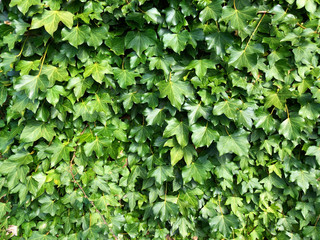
(272, 110)
(24, 43)
(43, 58)
(317, 221)
(227, 131)
(287, 111)
(254, 31)
(303, 27)
(234, 5)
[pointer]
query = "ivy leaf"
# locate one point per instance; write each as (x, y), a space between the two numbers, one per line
(48, 205)
(76, 36)
(140, 41)
(310, 5)
(179, 129)
(238, 18)
(242, 58)
(235, 202)
(195, 111)
(51, 19)
(212, 11)
(24, 5)
(162, 173)
(176, 41)
(265, 121)
(291, 127)
(314, 151)
(98, 71)
(55, 74)
(198, 171)
(235, 143)
(165, 210)
(228, 107)
(303, 179)
(4, 208)
(96, 36)
(201, 66)
(97, 146)
(155, 116)
(59, 151)
(224, 224)
(176, 91)
(32, 85)
(36, 130)
(218, 41)
(125, 77)
(152, 15)
(203, 135)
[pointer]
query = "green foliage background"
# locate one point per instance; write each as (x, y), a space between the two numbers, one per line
(192, 119)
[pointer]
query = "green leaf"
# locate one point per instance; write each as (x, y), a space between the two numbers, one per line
(265, 121)
(235, 202)
(291, 127)
(36, 130)
(97, 71)
(201, 66)
(238, 18)
(224, 224)
(97, 146)
(176, 41)
(314, 151)
(229, 108)
(24, 5)
(165, 210)
(76, 36)
(4, 208)
(212, 11)
(179, 129)
(218, 41)
(51, 19)
(55, 74)
(235, 143)
(32, 84)
(59, 151)
(303, 179)
(48, 205)
(140, 41)
(152, 15)
(125, 77)
(242, 58)
(155, 116)
(203, 135)
(176, 91)
(162, 173)
(310, 5)
(96, 36)
(198, 171)
(195, 111)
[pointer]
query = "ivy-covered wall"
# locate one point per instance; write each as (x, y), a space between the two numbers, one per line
(140, 119)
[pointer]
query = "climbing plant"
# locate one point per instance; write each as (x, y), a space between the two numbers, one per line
(139, 119)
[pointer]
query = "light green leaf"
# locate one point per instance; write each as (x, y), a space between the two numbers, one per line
(211, 11)
(224, 224)
(162, 173)
(176, 91)
(195, 111)
(291, 127)
(179, 129)
(51, 19)
(198, 171)
(229, 108)
(203, 135)
(36, 130)
(97, 71)
(303, 179)
(24, 5)
(176, 41)
(125, 77)
(76, 36)
(140, 41)
(201, 66)
(155, 116)
(314, 151)
(165, 210)
(32, 84)
(235, 143)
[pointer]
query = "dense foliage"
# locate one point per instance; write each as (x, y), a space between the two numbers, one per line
(192, 119)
